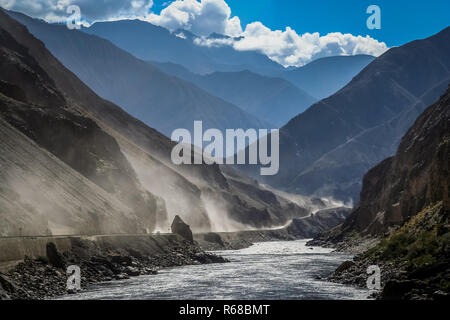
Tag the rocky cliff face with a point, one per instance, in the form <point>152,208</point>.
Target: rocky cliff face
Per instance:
<point>416,177</point>
<point>405,205</point>
<point>31,102</point>
<point>42,195</point>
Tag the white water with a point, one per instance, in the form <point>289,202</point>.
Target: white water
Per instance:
<point>269,270</point>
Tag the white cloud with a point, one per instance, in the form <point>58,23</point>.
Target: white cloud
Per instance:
<point>91,10</point>
<point>200,17</point>
<point>290,49</point>
<point>203,17</point>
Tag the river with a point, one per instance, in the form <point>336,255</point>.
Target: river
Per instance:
<point>265,271</point>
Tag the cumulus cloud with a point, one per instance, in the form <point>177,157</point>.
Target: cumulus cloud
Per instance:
<point>203,17</point>
<point>200,17</point>
<point>290,49</point>
<point>55,10</point>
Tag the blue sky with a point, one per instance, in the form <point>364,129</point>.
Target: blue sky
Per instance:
<point>402,20</point>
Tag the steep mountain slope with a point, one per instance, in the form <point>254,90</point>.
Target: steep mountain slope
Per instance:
<point>405,202</point>
<point>339,171</point>
<point>273,100</point>
<point>202,195</point>
<point>32,104</point>
<point>416,177</point>
<point>41,195</point>
<point>151,43</point>
<point>323,77</point>
<point>326,149</point>
<point>161,101</point>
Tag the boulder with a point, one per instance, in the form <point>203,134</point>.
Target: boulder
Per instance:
<point>182,229</point>
<point>54,257</point>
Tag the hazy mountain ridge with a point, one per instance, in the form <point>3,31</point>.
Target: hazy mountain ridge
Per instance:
<point>42,195</point>
<point>321,150</point>
<point>273,100</point>
<point>199,192</point>
<point>325,76</point>
<point>358,153</point>
<point>163,102</point>
<point>152,43</point>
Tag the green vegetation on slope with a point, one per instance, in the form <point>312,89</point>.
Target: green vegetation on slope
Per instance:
<point>421,245</point>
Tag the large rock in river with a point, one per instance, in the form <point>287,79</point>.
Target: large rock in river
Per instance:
<point>54,257</point>
<point>182,229</point>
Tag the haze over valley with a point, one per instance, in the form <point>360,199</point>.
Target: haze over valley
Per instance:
<point>356,156</point>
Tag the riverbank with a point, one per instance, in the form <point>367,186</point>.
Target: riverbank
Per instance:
<point>42,273</point>
<point>35,267</point>
<point>413,259</point>
<point>278,270</point>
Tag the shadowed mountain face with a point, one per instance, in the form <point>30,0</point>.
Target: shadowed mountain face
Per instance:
<point>273,100</point>
<point>416,177</point>
<point>163,102</point>
<point>232,75</point>
<point>323,77</point>
<point>327,149</point>
<point>118,163</point>
<point>41,195</point>
<point>31,103</point>
<point>403,217</point>
<point>151,43</point>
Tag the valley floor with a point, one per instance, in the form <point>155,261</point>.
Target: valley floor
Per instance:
<point>100,259</point>
<point>273,270</point>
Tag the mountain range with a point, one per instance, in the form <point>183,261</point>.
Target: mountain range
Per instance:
<point>152,43</point>
<point>161,101</point>
<point>113,173</point>
<point>325,76</point>
<point>402,221</point>
<point>324,150</point>
<point>273,100</point>
<point>145,41</point>
<point>327,149</point>
<point>247,79</point>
